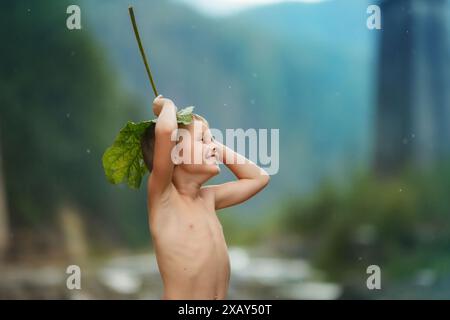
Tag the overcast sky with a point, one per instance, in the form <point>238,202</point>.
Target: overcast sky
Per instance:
<point>224,7</point>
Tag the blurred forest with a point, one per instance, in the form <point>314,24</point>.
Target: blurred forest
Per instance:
<point>60,105</point>
<point>363,118</point>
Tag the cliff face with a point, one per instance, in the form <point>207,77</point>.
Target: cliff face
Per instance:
<point>431,82</point>
<point>413,108</point>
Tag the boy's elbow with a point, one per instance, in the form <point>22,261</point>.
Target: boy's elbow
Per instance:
<point>264,178</point>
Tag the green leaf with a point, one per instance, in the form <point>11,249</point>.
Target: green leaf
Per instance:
<point>184,116</point>
<point>123,162</point>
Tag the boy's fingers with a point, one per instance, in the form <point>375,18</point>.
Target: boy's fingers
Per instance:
<point>158,98</point>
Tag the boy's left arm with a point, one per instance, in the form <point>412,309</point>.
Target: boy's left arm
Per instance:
<point>251,179</point>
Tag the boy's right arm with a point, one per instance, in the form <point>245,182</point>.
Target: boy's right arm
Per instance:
<point>161,176</point>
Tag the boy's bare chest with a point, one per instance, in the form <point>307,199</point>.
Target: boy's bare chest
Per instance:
<point>195,218</point>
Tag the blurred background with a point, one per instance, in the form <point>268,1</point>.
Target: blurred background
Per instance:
<point>363,115</point>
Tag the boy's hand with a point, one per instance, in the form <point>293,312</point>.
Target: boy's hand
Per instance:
<point>159,103</point>
<point>251,179</point>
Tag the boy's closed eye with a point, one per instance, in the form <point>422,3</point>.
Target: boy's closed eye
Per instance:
<point>203,138</point>
<point>207,137</point>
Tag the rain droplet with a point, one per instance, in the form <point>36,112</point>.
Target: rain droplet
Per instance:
<point>67,115</point>
<point>88,151</point>
<point>252,101</point>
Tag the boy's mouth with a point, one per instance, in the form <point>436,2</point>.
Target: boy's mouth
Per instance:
<point>211,156</point>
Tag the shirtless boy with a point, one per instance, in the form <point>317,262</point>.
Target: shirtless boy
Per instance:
<point>190,247</point>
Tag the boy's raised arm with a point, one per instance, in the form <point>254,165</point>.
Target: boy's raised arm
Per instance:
<point>251,179</point>
<point>162,171</point>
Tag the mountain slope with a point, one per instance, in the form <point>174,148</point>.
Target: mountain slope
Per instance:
<point>308,77</point>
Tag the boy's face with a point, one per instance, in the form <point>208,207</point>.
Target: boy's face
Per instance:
<point>197,149</point>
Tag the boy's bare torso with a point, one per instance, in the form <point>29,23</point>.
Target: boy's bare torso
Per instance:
<point>190,247</point>
<point>187,236</point>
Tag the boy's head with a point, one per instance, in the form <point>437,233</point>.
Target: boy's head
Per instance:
<point>195,150</point>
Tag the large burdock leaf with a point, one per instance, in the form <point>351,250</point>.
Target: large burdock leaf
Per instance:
<point>123,161</point>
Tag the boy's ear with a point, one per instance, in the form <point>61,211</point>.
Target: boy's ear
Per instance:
<point>179,160</point>
<point>177,156</point>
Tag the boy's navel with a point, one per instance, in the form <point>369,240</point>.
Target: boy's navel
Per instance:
<point>191,226</point>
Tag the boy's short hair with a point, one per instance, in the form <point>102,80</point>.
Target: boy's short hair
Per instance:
<point>148,142</point>
<point>148,145</point>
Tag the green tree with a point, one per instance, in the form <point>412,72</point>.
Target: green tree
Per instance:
<point>60,107</point>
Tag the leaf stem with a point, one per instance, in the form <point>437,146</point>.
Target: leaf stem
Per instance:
<point>141,48</point>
